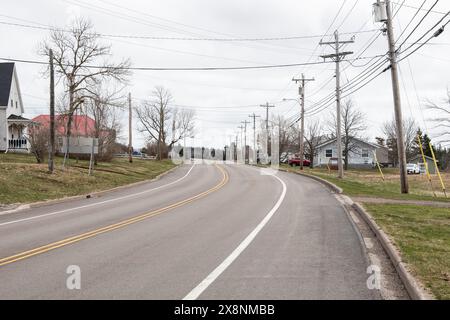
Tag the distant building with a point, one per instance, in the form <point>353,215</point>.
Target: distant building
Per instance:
<point>82,127</point>
<point>419,160</point>
<point>360,155</point>
<point>13,125</point>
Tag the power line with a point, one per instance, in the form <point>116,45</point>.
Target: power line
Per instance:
<point>188,68</point>
<point>329,99</point>
<point>280,38</point>
<point>348,14</point>
<point>412,19</point>
<point>363,49</point>
<point>318,45</point>
<point>429,39</point>
<point>420,22</point>
<point>413,7</point>
<point>436,34</point>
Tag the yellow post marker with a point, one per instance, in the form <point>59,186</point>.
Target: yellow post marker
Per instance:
<point>437,169</point>
<point>378,164</point>
<point>425,163</point>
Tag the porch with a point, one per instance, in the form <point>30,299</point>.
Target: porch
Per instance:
<point>16,138</point>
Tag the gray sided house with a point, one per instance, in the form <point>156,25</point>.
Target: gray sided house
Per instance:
<point>12,123</point>
<point>419,160</point>
<point>361,154</point>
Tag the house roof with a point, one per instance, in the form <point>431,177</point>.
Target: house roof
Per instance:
<point>82,126</point>
<point>365,142</point>
<point>419,156</point>
<point>16,117</point>
<point>6,76</point>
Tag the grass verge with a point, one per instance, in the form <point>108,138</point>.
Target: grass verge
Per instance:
<point>368,183</point>
<point>24,181</point>
<point>422,234</point>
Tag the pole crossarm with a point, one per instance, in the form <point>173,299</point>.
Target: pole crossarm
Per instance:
<point>334,42</point>
<point>336,55</point>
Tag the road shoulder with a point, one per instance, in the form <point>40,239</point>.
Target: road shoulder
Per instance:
<point>396,278</point>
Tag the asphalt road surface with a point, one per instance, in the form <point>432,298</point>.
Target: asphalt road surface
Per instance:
<point>217,231</point>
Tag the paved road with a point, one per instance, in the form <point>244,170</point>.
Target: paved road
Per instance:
<point>201,232</point>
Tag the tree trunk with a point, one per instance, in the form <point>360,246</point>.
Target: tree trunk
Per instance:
<point>69,125</point>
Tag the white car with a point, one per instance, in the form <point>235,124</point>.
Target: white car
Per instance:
<point>412,168</point>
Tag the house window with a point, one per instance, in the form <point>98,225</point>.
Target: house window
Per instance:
<point>16,104</point>
<point>329,153</point>
<point>365,153</point>
<point>12,103</point>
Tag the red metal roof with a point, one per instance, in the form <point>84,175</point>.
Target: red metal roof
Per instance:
<point>82,126</point>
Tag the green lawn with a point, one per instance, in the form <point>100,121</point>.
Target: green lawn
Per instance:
<point>423,236</point>
<point>24,181</point>
<point>368,183</point>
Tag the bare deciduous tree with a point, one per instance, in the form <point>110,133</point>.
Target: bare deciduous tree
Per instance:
<point>353,124</point>
<point>103,105</point>
<point>313,138</point>
<point>155,116</point>
<point>283,133</point>
<point>38,137</point>
<point>183,125</point>
<point>410,129</point>
<point>81,62</point>
<point>442,117</point>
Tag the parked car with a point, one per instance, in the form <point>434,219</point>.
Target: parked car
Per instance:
<point>412,168</point>
<point>295,161</point>
<point>285,156</point>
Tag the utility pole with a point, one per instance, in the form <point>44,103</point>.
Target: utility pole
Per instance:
<point>235,149</point>
<point>254,116</point>
<point>301,92</point>
<point>241,127</point>
<point>397,100</point>
<point>267,106</point>
<point>337,57</point>
<point>130,119</point>
<point>245,139</point>
<point>51,150</point>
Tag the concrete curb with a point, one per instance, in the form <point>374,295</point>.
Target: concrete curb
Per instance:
<point>330,185</point>
<point>415,290</point>
<point>84,196</point>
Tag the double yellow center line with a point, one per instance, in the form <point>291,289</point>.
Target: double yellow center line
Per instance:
<point>121,224</point>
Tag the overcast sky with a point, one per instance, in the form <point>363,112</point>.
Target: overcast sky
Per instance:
<point>222,99</point>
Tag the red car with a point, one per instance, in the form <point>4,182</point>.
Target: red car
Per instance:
<point>296,162</point>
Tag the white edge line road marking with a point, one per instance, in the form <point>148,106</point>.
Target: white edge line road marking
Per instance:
<point>198,290</point>
<point>98,203</point>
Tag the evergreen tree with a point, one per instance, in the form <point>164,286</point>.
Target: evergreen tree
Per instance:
<point>425,140</point>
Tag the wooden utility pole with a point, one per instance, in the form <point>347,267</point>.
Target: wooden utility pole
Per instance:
<point>241,128</point>
<point>301,92</point>
<point>235,148</point>
<point>397,100</point>
<point>130,130</point>
<point>51,149</point>
<point>267,106</point>
<point>245,139</point>
<point>254,116</point>
<point>338,56</point>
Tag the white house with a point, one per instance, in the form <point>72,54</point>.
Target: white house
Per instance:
<point>12,123</point>
<point>361,153</point>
